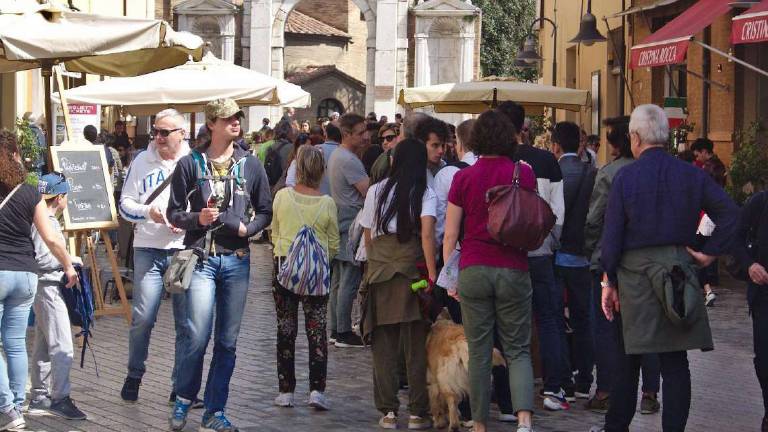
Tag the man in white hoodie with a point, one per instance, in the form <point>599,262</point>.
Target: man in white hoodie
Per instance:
<point>143,202</point>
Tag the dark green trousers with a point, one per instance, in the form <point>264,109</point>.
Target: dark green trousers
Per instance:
<point>387,342</point>
<point>502,297</point>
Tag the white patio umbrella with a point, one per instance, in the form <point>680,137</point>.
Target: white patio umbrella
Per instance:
<point>477,96</point>
<point>189,87</point>
<point>35,35</point>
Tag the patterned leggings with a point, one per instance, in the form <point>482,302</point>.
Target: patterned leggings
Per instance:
<point>287,308</point>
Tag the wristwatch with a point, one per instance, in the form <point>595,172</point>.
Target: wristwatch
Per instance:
<point>605,284</point>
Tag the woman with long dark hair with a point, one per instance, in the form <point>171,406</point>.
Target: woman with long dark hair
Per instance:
<point>22,205</point>
<point>399,228</point>
<point>494,284</point>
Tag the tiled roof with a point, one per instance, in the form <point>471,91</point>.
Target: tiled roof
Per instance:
<point>298,23</point>
<point>300,76</point>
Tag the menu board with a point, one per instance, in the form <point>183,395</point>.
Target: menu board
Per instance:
<point>90,201</point>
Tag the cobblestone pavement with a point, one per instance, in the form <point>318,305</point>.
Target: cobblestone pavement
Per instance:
<point>725,391</point>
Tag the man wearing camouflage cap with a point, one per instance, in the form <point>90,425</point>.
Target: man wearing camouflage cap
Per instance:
<point>220,196</point>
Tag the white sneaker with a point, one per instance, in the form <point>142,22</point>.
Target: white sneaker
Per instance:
<point>284,400</point>
<point>389,421</point>
<point>507,418</point>
<point>556,401</point>
<point>467,424</point>
<point>522,428</point>
<point>419,423</point>
<point>318,401</point>
<point>710,298</point>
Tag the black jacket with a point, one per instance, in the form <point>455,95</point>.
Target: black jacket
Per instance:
<point>251,193</point>
<point>578,181</point>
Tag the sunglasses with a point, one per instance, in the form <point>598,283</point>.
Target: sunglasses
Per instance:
<point>389,138</point>
<point>163,132</point>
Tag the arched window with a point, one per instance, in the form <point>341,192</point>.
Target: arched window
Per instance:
<point>327,106</point>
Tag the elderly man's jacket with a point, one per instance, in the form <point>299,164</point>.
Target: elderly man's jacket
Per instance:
<point>652,214</point>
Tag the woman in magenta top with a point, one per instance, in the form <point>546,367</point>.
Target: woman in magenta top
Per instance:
<point>494,285</point>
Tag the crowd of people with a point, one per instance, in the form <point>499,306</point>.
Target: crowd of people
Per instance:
<point>357,210</point>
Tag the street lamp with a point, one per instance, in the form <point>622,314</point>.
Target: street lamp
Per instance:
<point>588,33</point>
<point>529,56</point>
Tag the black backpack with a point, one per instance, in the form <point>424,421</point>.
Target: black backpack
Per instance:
<point>273,162</point>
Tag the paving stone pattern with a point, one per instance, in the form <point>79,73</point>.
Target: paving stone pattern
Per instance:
<point>726,394</point>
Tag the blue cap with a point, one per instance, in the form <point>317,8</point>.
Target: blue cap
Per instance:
<point>53,184</point>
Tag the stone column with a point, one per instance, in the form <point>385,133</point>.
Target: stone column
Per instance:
<point>467,57</point>
<point>386,57</point>
<point>260,57</point>
<point>370,79</point>
<point>421,66</point>
<point>227,26</point>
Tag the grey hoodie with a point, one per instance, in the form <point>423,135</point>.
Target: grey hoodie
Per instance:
<point>48,267</point>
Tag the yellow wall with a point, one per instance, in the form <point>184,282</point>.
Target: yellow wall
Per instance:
<point>577,62</point>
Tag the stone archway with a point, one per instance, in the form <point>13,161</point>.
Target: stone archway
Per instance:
<point>367,9</point>
<point>282,8</point>
<point>387,47</point>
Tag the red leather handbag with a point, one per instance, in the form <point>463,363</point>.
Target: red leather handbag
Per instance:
<point>518,217</point>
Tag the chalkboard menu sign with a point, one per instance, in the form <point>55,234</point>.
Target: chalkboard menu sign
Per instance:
<point>90,202</point>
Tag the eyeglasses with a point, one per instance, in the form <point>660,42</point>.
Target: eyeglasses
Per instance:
<point>163,132</point>
<point>389,138</point>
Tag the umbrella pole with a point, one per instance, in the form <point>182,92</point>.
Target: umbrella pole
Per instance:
<point>64,105</point>
<point>46,74</point>
<point>192,127</point>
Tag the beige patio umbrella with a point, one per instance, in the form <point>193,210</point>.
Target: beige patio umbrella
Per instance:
<point>34,35</point>
<point>477,96</point>
<point>189,87</point>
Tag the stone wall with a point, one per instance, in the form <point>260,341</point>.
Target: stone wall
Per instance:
<point>302,51</point>
<point>332,86</point>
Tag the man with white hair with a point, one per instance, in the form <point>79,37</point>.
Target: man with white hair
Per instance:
<point>143,202</point>
<point>650,272</point>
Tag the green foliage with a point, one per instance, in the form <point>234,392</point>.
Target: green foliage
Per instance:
<point>505,25</point>
<point>30,151</point>
<point>749,170</point>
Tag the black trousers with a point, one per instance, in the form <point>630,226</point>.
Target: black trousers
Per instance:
<point>676,390</point>
<point>759,307</point>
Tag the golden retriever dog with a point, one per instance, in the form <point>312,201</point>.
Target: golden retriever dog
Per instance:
<point>447,374</point>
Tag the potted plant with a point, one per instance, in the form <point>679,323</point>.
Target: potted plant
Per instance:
<point>749,169</point>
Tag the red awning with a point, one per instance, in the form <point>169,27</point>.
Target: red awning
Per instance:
<point>670,43</point>
<point>752,25</point>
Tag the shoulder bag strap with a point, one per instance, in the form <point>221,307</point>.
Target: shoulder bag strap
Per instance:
<point>155,193</point>
<point>7,197</point>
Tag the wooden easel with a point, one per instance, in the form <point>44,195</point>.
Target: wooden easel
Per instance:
<point>83,238</point>
<point>80,237</point>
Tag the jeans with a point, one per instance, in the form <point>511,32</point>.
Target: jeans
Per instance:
<point>676,391</point>
<point>759,305</point>
<point>17,292</point>
<point>577,282</point>
<point>497,297</point>
<point>607,352</point>
<point>548,310</point>
<point>345,281</point>
<point>219,284</point>
<point>53,351</point>
<point>150,265</point>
